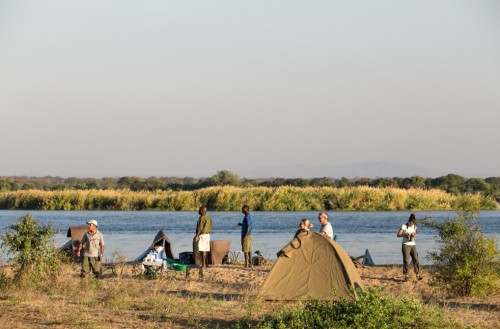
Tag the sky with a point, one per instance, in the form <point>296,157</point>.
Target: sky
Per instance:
<point>188,88</point>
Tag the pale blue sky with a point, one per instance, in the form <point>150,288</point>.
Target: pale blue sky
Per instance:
<point>186,88</point>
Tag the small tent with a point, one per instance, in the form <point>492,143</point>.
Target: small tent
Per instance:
<point>311,266</point>
<point>160,240</point>
<point>367,260</point>
<point>76,234</point>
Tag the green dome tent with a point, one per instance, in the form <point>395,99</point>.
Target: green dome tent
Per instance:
<point>311,266</point>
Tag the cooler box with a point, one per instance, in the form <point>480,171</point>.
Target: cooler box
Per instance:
<point>186,258</point>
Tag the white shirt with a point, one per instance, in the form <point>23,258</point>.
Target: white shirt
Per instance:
<point>327,229</point>
<point>409,229</point>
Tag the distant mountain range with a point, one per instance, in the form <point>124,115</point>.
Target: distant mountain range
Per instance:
<point>352,170</point>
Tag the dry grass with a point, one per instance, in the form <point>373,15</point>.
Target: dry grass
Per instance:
<point>225,298</point>
<point>228,198</point>
<point>471,311</point>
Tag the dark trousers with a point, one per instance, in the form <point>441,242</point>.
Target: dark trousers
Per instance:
<point>410,251</point>
<point>89,263</point>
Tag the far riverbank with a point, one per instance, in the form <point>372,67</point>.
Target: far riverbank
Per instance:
<point>228,198</point>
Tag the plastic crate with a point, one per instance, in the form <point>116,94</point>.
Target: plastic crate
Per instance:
<point>186,258</point>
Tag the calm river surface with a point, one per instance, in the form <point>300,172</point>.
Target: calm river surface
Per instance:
<point>131,232</point>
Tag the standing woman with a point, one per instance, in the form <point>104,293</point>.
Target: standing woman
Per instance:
<point>408,232</point>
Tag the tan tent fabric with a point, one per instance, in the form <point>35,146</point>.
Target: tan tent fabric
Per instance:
<point>311,266</point>
<point>218,249</point>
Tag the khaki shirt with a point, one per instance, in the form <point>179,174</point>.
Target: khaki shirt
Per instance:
<point>92,244</point>
<point>204,225</point>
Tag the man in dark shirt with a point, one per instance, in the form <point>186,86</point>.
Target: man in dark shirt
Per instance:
<point>246,235</point>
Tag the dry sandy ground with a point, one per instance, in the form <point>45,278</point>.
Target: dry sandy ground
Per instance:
<point>483,312</point>
<point>227,290</point>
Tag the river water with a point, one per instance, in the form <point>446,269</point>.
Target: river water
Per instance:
<point>131,232</point>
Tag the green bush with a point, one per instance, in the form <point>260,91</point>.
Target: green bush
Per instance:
<point>467,262</point>
<point>373,309</point>
<point>34,256</point>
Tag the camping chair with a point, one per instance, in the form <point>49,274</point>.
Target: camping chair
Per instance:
<point>152,266</point>
<point>232,257</point>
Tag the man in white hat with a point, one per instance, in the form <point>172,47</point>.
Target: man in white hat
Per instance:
<point>93,245</point>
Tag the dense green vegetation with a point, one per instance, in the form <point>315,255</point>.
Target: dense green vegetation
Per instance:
<point>229,198</point>
<point>35,258</point>
<point>450,183</point>
<point>467,261</point>
<point>273,194</point>
<point>373,309</point>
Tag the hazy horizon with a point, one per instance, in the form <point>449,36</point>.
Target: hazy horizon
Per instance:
<point>370,170</point>
<point>169,88</point>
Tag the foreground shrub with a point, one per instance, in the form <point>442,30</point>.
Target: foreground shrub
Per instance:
<point>34,256</point>
<point>467,262</point>
<point>373,309</point>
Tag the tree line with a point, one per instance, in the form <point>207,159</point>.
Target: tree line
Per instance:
<point>450,183</point>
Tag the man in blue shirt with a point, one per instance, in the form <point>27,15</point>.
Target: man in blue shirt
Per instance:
<point>246,235</point>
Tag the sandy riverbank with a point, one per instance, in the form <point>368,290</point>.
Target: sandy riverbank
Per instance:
<point>225,297</point>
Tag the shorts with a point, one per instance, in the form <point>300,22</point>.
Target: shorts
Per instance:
<point>246,244</point>
<point>204,242</point>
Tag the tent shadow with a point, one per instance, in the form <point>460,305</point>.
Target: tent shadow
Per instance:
<point>365,277</point>
<point>475,306</point>
<point>207,322</point>
<point>203,295</point>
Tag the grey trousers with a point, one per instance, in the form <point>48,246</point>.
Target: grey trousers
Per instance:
<point>410,251</point>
